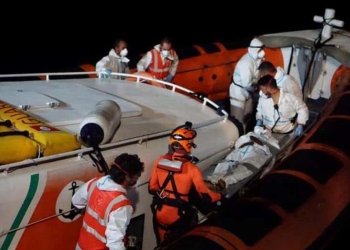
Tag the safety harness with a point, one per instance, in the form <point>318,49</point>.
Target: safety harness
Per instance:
<point>185,210</point>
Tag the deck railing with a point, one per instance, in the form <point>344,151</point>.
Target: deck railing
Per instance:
<point>140,139</point>
<point>139,78</point>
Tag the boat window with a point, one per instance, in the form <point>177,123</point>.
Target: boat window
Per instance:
<point>287,191</point>
<point>317,164</point>
<point>210,47</point>
<point>343,105</point>
<point>333,132</point>
<point>248,220</point>
<point>187,52</point>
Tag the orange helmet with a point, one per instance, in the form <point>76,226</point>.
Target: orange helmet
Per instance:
<point>182,138</point>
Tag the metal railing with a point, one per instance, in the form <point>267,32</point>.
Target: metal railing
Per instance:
<point>140,139</point>
<point>139,79</point>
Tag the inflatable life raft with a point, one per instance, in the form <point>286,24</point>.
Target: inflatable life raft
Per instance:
<point>23,137</point>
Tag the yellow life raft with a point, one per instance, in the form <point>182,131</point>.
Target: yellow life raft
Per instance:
<point>51,140</point>
<point>15,146</point>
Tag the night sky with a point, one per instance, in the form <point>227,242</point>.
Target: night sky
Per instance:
<point>57,36</point>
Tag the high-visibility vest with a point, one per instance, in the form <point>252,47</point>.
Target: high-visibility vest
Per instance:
<point>157,68</point>
<point>99,206</point>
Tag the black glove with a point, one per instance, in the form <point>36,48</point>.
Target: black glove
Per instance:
<point>200,95</point>
<point>252,89</point>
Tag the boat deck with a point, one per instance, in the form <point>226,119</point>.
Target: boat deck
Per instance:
<point>64,103</point>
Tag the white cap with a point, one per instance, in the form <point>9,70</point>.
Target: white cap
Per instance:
<point>256,43</point>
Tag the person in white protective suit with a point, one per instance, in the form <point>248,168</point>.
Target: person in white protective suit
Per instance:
<point>284,81</point>
<point>278,111</point>
<point>248,150</point>
<point>116,61</point>
<point>243,86</point>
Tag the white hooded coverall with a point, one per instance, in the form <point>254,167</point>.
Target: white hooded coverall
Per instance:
<point>288,106</point>
<point>118,219</point>
<point>246,74</point>
<point>288,83</point>
<point>114,63</point>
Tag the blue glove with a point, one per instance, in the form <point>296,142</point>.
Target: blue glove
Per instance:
<point>108,71</point>
<point>299,130</point>
<point>259,123</point>
<point>169,78</point>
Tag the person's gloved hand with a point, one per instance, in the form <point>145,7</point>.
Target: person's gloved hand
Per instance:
<point>299,130</point>
<point>251,89</point>
<point>259,123</point>
<point>108,71</point>
<point>169,78</point>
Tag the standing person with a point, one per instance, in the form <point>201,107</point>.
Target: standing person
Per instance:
<point>161,61</point>
<point>242,88</point>
<point>280,112</point>
<point>116,61</point>
<point>173,176</point>
<point>284,81</point>
<point>108,210</point>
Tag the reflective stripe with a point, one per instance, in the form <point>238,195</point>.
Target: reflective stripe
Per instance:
<point>91,188</point>
<point>116,200</point>
<point>95,216</point>
<point>104,221</point>
<point>156,68</point>
<point>77,247</point>
<point>94,233</point>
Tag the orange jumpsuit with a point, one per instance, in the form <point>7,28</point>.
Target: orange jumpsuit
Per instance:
<point>189,175</point>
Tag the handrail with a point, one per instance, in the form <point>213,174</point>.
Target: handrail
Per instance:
<point>138,80</point>
<point>140,139</point>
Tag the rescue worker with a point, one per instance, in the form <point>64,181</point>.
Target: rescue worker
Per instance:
<point>173,176</point>
<point>161,62</point>
<point>284,81</point>
<point>243,86</point>
<point>108,210</point>
<point>280,112</point>
<point>116,61</point>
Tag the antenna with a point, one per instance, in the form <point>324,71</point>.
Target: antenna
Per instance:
<point>328,21</point>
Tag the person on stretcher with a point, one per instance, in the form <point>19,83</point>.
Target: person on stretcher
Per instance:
<point>248,149</point>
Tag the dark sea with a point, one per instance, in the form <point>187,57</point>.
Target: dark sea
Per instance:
<point>58,36</point>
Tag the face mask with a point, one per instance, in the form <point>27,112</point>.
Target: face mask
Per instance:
<point>124,52</point>
<point>134,184</point>
<point>267,95</point>
<point>165,53</point>
<point>261,54</point>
